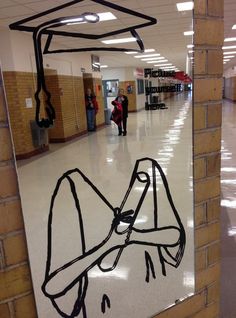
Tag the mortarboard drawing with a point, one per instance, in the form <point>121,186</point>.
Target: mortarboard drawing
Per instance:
<point>52,27</point>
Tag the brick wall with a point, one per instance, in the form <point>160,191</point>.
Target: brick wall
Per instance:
<point>16,296</point>
<point>95,84</point>
<point>67,98</point>
<point>19,86</point>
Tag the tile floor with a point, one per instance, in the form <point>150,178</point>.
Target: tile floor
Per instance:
<point>228,212</point>
<point>85,243</point>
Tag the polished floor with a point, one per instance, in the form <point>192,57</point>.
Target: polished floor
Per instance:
<point>120,240</point>
<point>228,212</point>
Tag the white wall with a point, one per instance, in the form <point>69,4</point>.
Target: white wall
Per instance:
<point>17,54</point>
<point>230,72</point>
<point>6,55</point>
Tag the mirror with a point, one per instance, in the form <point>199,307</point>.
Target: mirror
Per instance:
<point>108,217</point>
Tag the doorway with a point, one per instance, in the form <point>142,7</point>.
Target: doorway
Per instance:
<point>110,89</point>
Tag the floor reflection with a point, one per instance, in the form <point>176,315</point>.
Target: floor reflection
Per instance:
<point>228,212</point>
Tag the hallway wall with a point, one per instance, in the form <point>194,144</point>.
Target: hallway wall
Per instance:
<point>20,82</point>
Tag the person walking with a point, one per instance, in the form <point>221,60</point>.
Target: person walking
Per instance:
<point>123,100</point>
<point>91,109</point>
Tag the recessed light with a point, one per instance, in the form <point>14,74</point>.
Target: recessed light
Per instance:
<point>228,53</point>
<point>153,58</point>
<point>230,39</point>
<point>190,52</point>
<point>168,67</point>
<point>190,46</point>
<point>186,33</point>
<point>149,50</point>
<point>229,47</point>
<point>147,55</point>
<point>234,27</point>
<point>117,41</point>
<point>103,66</point>
<point>104,16</point>
<point>163,64</point>
<point>131,52</point>
<point>152,62</point>
<point>185,6</point>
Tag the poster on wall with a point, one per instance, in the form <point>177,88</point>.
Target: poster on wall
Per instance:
<point>109,219</point>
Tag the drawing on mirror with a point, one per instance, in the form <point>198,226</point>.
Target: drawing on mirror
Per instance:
<point>77,258</point>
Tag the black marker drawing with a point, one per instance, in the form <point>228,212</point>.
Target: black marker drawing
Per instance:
<point>149,266</point>
<point>66,277</point>
<point>50,29</point>
<point>105,303</point>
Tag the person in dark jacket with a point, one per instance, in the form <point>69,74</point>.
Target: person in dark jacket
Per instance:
<point>91,109</point>
<point>123,100</point>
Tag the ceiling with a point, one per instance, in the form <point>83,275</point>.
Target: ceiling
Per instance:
<point>166,37</point>
<point>229,21</point>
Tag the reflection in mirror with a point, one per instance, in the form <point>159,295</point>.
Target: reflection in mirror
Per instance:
<point>108,206</point>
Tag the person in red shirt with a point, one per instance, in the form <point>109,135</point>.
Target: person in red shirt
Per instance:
<point>91,109</point>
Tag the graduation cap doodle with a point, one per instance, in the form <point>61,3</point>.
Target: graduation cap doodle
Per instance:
<point>51,28</point>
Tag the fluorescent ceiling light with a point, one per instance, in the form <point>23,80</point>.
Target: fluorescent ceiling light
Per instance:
<point>163,64</point>
<point>186,33</point>
<point>104,16</point>
<point>226,60</point>
<point>230,39</point>
<point>229,47</point>
<point>191,58</point>
<point>131,52</point>
<point>228,53</point>
<point>153,58</point>
<point>168,67</point>
<point>103,66</point>
<point>190,46</point>
<point>151,62</point>
<point>229,56</point>
<point>116,41</point>
<point>234,27</point>
<point>190,52</point>
<point>147,55</point>
<point>149,50</point>
<point>185,6</point>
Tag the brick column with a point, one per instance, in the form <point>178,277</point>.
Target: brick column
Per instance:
<point>16,295</point>
<point>209,39</point>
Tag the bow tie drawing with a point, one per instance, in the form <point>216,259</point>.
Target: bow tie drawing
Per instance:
<point>125,230</point>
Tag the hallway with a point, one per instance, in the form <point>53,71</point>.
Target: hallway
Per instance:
<point>228,206</point>
<point>108,161</point>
